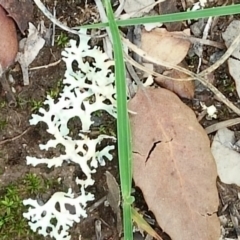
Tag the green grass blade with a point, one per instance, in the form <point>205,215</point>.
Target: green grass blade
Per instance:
<point>123,127</point>
<point>182,16</point>
<point>173,17</point>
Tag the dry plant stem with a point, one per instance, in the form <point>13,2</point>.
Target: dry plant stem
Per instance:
<point>107,41</point>
<point>58,23</point>
<point>198,77</point>
<point>103,15</point>
<point>151,72</point>
<point>7,90</point>
<point>54,27</point>
<point>96,204</point>
<point>15,138</point>
<point>46,66</point>
<point>226,55</point>
<point>220,125</point>
<point>200,40</point>
<point>52,19</point>
<point>120,8</point>
<point>200,46</point>
<point>132,73</point>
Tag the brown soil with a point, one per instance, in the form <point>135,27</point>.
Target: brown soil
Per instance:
<point>18,139</point>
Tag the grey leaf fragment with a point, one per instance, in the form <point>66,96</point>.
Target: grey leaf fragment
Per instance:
<point>113,198</point>
<point>29,49</point>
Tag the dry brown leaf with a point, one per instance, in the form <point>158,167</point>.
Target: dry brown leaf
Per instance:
<point>182,89</point>
<point>160,44</point>
<point>8,41</point>
<point>20,11</point>
<point>173,165</point>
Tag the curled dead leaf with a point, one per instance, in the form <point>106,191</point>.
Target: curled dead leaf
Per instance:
<point>173,165</point>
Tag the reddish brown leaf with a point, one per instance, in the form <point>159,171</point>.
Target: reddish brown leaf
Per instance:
<point>8,41</point>
<point>173,166</point>
<point>184,89</point>
<point>20,10</point>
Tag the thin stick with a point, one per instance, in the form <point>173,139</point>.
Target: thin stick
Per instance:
<point>119,10</point>
<point>53,19</point>
<point>151,72</point>
<point>200,47</point>
<point>16,137</point>
<point>54,26</point>
<point>47,66</point>
<point>199,40</point>
<point>58,23</point>
<point>220,125</point>
<point>225,56</point>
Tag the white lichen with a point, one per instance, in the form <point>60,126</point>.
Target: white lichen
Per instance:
<point>41,216</point>
<point>88,87</point>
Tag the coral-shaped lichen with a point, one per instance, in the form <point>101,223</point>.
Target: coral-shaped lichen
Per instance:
<point>88,87</point>
<point>40,217</point>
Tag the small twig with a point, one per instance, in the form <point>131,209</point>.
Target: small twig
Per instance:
<point>225,56</point>
<point>96,204</point>
<point>16,137</point>
<point>108,39</point>
<point>52,19</point>
<point>200,47</point>
<point>195,40</point>
<point>53,27</point>
<point>57,22</point>
<point>220,125</point>
<point>46,66</point>
<point>132,73</point>
<point>151,72</point>
<point>119,10</point>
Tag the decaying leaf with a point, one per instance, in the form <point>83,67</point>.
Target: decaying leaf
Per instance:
<point>233,63</point>
<point>113,198</point>
<point>29,48</point>
<point>173,166</point>
<point>8,41</point>
<point>162,45</point>
<point>184,89</point>
<point>20,11</point>
<point>226,155</point>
